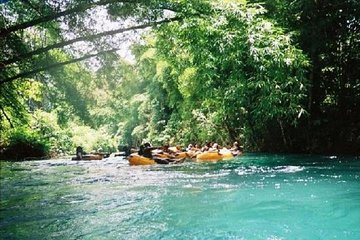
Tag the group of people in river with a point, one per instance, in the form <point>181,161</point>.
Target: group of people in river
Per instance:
<point>166,154</point>
<point>235,149</point>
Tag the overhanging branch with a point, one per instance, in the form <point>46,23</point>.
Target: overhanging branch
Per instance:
<point>6,116</point>
<point>55,65</point>
<point>3,64</point>
<point>6,31</point>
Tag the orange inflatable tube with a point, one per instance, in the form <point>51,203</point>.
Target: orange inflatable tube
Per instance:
<point>90,157</point>
<point>135,160</point>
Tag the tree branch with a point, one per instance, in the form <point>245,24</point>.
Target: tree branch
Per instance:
<point>6,31</point>
<point>3,64</point>
<point>6,116</point>
<point>55,65</point>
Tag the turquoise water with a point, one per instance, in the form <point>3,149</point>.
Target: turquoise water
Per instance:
<point>252,197</point>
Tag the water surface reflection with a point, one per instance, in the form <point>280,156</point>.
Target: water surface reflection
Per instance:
<point>251,197</point>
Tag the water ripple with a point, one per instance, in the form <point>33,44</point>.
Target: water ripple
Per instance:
<point>278,169</point>
<point>251,197</point>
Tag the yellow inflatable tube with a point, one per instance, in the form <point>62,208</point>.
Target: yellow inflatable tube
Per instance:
<point>178,155</point>
<point>209,156</point>
<point>226,155</point>
<point>214,156</point>
<point>135,159</point>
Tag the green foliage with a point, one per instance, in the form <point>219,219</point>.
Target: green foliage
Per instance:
<point>23,144</point>
<point>225,77</point>
<point>231,70</point>
<point>274,75</point>
<point>328,32</point>
<point>46,125</point>
<point>91,139</point>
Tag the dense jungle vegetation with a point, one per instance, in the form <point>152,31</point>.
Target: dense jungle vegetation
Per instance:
<point>276,75</point>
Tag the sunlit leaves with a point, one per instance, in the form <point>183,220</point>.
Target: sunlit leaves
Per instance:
<point>161,66</point>
<point>186,80</point>
<point>150,53</point>
<point>240,68</point>
<point>279,72</point>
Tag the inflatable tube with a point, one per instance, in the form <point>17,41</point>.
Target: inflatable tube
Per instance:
<point>89,157</point>
<point>179,155</point>
<point>214,156</point>
<point>135,160</point>
<point>226,155</point>
<point>209,156</point>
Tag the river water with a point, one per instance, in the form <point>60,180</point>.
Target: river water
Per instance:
<point>251,197</point>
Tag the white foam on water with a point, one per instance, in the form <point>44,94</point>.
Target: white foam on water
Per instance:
<point>279,169</point>
<point>291,169</point>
